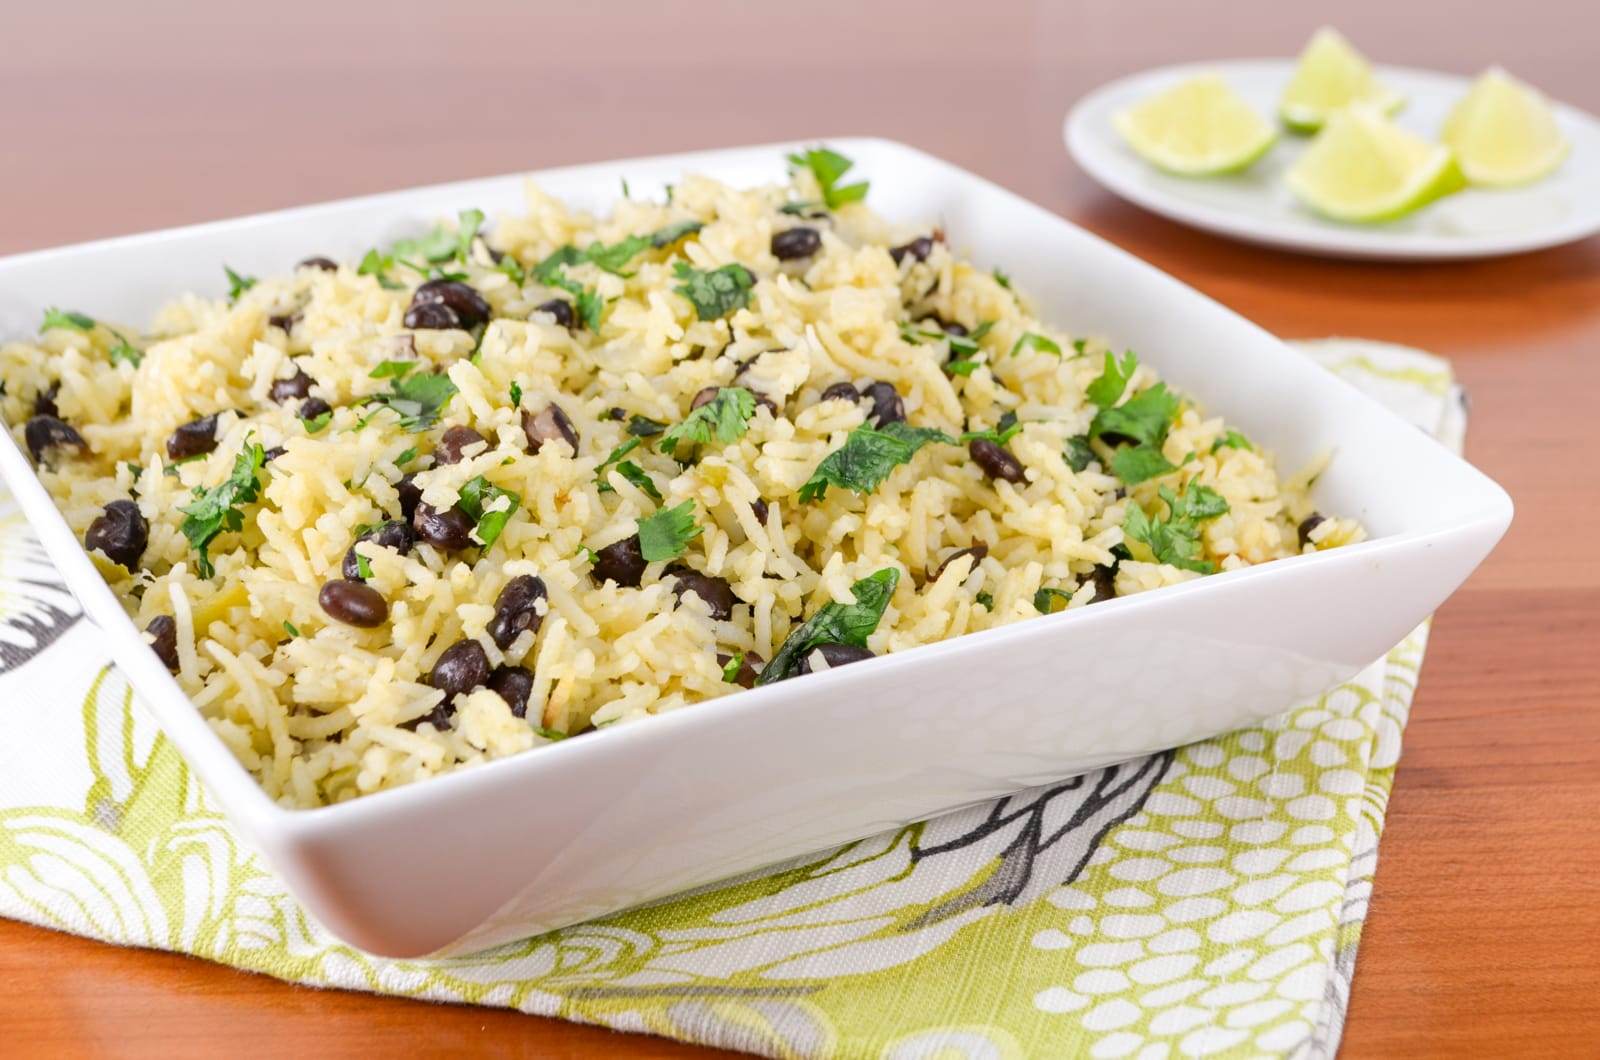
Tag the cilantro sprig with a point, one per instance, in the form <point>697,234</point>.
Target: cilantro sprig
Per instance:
<point>723,419</point>
<point>627,469</point>
<point>66,318</point>
<point>1175,540</point>
<point>1001,433</point>
<point>835,623</point>
<point>238,284</point>
<point>218,509</point>
<point>668,532</point>
<point>828,166</point>
<point>122,351</point>
<point>1034,341</point>
<point>867,456</point>
<point>717,292</point>
<point>1143,420</point>
<point>418,398</point>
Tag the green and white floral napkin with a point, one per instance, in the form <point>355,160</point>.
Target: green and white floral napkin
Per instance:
<point>1203,901</point>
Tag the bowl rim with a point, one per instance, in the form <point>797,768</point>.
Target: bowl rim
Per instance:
<point>247,802</point>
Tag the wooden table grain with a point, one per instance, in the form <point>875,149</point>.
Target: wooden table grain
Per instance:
<point>1484,934</point>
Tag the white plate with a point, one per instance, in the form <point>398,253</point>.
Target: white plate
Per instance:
<point>1256,207</point>
<point>591,825</point>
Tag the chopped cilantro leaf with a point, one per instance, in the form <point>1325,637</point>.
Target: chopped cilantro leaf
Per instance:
<point>418,399</point>
<point>1146,417</point>
<point>999,434</point>
<point>316,423</point>
<point>723,419</point>
<point>1033,341</point>
<point>867,456</point>
<point>406,457</point>
<point>668,532</point>
<point>716,293</point>
<point>798,209</point>
<point>1134,464</point>
<point>237,284</point>
<point>471,220</point>
<point>1232,440</point>
<point>1110,384</point>
<point>730,670</point>
<point>1001,278</point>
<point>125,352</point>
<point>828,166</point>
<point>1175,540</point>
<point>63,318</point>
<point>962,366</point>
<point>1045,600</point>
<point>363,566</point>
<point>218,509</point>
<point>479,501</point>
<point>986,599</point>
<point>289,628</point>
<point>616,454</point>
<point>551,271</point>
<point>377,266</point>
<point>640,478</point>
<point>612,258</point>
<point>516,392</point>
<point>835,623</point>
<point>549,734</point>
<point>591,308</point>
<point>392,370</point>
<point>509,265</point>
<point>1078,455</point>
<point>670,234</point>
<point>644,426</point>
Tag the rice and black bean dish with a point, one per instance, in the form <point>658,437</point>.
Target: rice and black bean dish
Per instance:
<point>508,483</point>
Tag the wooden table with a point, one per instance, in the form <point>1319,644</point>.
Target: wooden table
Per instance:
<point>1484,935</point>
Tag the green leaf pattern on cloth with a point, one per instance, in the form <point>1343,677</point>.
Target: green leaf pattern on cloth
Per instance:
<point>1204,901</point>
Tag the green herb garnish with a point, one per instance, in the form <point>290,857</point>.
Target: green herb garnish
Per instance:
<point>417,398</point>
<point>1113,380</point>
<point>668,532</point>
<point>835,623</point>
<point>1078,455</point>
<point>316,423</point>
<point>377,265</point>
<point>237,284</point>
<point>644,426</point>
<point>64,318</point>
<point>516,393</point>
<point>616,455</point>
<point>1175,540</point>
<point>289,628</point>
<point>640,478</point>
<point>867,456</point>
<point>1001,277</point>
<point>828,166</point>
<point>1232,440</point>
<point>1134,464</point>
<point>123,351</point>
<point>1045,600</point>
<point>1146,417</point>
<point>986,599</point>
<point>1034,341</point>
<point>670,234</point>
<point>730,671</point>
<point>716,293</point>
<point>478,501</point>
<point>723,419</point>
<point>999,434</point>
<point>218,509</point>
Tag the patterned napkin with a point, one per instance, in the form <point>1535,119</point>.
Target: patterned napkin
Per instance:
<point>1203,901</point>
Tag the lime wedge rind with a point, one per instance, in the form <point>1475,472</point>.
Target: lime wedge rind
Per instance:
<point>1505,133</point>
<point>1330,76</point>
<point>1362,169</point>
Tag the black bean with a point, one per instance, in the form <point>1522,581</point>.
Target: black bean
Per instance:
<point>1105,583</point>
<point>759,508</point>
<point>514,684</point>
<point>996,460</point>
<point>841,392</point>
<point>431,316</point>
<point>463,667</point>
<point>449,529</point>
<point>547,426</point>
<point>1311,522</point>
<point>559,308</point>
<point>794,243</point>
<point>516,610</point>
<point>715,592</point>
<point>163,632</point>
<point>44,402</point>
<point>887,406</point>
<point>616,415</point>
<point>834,655</point>
<point>319,262</point>
<point>468,305</point>
<point>120,532</point>
<point>977,551</point>
<point>195,438</point>
<point>296,387</point>
<point>354,604</point>
<point>454,440</point>
<point>410,495</point>
<point>272,454</point>
<point>952,328</point>
<point>704,396</point>
<point>439,717</point>
<point>286,321</point>
<point>622,562</point>
<point>312,407</point>
<point>750,667</point>
<point>389,534</point>
<point>44,433</point>
<point>919,248</point>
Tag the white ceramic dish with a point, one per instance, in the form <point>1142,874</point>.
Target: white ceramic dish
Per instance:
<point>624,816</point>
<point>1256,207</point>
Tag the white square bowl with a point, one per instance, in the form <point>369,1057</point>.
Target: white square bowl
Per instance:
<point>617,818</point>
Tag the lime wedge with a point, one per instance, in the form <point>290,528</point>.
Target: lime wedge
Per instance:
<point>1197,128</point>
<point>1362,167</point>
<point>1330,76</point>
<point>1504,132</point>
